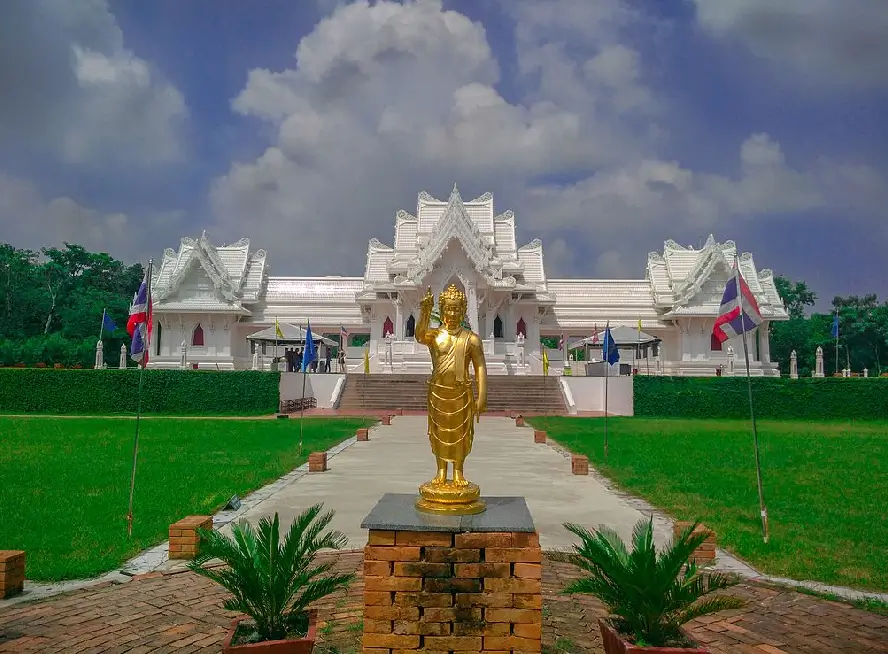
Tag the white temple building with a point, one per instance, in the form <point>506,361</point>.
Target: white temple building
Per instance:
<point>210,298</point>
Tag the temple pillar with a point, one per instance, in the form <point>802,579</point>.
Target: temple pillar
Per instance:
<point>472,297</point>
<point>533,332</point>
<point>764,340</point>
<point>399,319</point>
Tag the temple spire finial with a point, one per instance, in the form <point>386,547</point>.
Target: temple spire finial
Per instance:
<point>454,194</point>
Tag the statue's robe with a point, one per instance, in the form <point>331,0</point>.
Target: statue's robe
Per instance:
<point>451,401</point>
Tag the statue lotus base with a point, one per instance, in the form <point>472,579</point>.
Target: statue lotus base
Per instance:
<point>450,499</point>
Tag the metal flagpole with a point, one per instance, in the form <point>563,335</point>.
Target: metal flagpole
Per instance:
<point>302,402</point>
<point>102,326</point>
<point>604,352</point>
<point>837,338</point>
<point>758,466</point>
<point>143,362</point>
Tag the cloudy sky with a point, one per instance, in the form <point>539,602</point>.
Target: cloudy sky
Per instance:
<point>608,126</point>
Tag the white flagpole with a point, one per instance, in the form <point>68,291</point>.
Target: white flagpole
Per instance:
<point>758,466</point>
<point>102,326</point>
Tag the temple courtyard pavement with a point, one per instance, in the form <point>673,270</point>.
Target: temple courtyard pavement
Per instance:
<point>173,610</point>
<point>504,461</point>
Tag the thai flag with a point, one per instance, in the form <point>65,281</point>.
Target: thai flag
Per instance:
<point>138,326</point>
<point>739,312</point>
<point>561,342</point>
<point>343,336</point>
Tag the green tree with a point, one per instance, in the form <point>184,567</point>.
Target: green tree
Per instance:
<point>796,295</point>
<point>863,332</point>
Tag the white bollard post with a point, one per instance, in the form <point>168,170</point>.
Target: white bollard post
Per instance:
<point>818,362</point>
<point>123,356</point>
<point>100,358</point>
<point>793,365</point>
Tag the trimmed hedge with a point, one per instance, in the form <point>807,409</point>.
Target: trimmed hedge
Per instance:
<point>827,398</point>
<point>112,391</point>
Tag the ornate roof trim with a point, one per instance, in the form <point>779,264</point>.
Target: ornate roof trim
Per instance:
<point>455,224</point>
<point>201,252</point>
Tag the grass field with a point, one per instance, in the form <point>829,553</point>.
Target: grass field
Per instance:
<point>65,481</point>
<point>825,485</point>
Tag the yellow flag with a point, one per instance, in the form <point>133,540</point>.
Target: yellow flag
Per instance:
<point>639,325</point>
<point>277,329</point>
<point>366,360</point>
<point>545,361</point>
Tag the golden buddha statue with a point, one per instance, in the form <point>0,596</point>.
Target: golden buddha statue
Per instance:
<point>453,409</point>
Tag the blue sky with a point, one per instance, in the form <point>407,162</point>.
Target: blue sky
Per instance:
<point>607,127</point>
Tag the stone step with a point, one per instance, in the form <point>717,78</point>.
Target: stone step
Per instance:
<point>382,391</point>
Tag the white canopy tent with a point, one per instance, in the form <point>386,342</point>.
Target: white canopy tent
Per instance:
<point>291,335</point>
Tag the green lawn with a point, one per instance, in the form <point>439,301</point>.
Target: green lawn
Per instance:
<point>64,482</point>
<point>825,485</point>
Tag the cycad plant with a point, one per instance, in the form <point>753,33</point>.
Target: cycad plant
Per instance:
<point>274,582</point>
<point>649,596</point>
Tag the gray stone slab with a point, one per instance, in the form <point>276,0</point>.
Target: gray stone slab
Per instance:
<point>397,512</point>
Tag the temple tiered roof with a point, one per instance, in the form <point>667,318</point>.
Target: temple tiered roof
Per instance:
<point>689,282</point>
<point>488,241</point>
<point>237,277</point>
<point>679,282</point>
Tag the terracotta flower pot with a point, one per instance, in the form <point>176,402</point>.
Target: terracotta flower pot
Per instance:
<point>614,644</point>
<point>297,646</point>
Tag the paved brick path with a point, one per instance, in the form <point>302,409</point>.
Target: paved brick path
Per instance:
<point>181,612</point>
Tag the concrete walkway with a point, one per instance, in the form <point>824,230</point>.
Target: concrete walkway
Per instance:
<point>504,461</point>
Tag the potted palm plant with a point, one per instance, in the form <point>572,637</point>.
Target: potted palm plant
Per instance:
<point>273,582</point>
<point>649,596</point>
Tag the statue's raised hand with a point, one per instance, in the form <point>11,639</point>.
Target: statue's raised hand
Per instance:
<point>428,301</point>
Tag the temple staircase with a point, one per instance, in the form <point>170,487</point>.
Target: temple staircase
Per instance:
<point>525,394</point>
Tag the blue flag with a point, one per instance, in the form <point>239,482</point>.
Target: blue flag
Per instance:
<point>835,326</point>
<point>309,353</point>
<point>108,324</point>
<point>609,347</point>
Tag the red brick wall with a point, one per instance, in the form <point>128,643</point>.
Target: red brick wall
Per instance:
<point>444,592</point>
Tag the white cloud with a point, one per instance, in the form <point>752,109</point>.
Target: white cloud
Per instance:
<point>389,99</point>
<point>33,221</point>
<point>838,42</point>
<point>72,88</point>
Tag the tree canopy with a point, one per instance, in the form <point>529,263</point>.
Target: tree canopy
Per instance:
<point>52,303</point>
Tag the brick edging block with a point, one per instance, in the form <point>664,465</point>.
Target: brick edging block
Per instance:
<point>519,421</point>
<point>539,436</point>
<point>443,592</point>
<point>705,553</point>
<point>386,420</point>
<point>579,464</point>
<point>184,541</point>
<point>12,572</point>
<point>317,462</point>
<point>363,434</point>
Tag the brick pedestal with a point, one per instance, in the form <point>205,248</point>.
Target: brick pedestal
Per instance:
<point>706,552</point>
<point>519,421</point>
<point>184,542</point>
<point>452,591</point>
<point>386,420</point>
<point>317,462</point>
<point>579,464</point>
<point>539,436</point>
<point>363,434</point>
<point>12,572</point>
